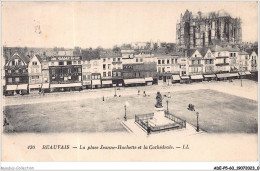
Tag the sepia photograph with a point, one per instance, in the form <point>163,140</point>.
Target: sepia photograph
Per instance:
<point>129,81</point>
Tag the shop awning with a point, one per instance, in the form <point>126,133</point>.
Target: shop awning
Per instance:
<point>248,73</point>
<point>134,81</point>
<point>106,82</point>
<point>86,82</point>
<point>11,87</point>
<point>66,85</point>
<point>225,75</point>
<point>22,87</point>
<point>176,77</point>
<point>234,75</point>
<point>45,85</point>
<point>185,77</point>
<point>35,86</point>
<point>148,79</point>
<point>242,73</point>
<point>96,82</point>
<point>210,76</point>
<point>196,77</point>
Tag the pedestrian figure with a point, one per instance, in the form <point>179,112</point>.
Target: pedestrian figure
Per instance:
<point>40,90</point>
<point>103,98</point>
<point>138,92</point>
<point>5,122</point>
<point>144,94</point>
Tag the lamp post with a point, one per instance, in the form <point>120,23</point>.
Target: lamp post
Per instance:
<point>241,80</point>
<point>198,129</point>
<point>167,107</point>
<point>115,92</point>
<point>126,104</point>
<point>125,114</point>
<point>192,108</point>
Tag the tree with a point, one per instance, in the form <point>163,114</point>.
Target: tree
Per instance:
<point>116,49</point>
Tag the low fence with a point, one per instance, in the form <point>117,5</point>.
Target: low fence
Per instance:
<point>143,121</point>
<point>176,119</point>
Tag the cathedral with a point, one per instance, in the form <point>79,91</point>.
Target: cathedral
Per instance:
<point>202,30</point>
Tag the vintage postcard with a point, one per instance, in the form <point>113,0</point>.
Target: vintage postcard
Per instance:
<point>129,81</point>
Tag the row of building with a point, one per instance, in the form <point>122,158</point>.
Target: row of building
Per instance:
<point>66,71</point>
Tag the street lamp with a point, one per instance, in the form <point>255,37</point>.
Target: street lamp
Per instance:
<point>115,92</point>
<point>241,80</point>
<point>198,129</point>
<point>191,107</point>
<point>167,107</point>
<point>126,104</point>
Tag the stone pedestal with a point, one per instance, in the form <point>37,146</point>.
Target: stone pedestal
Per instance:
<point>159,118</point>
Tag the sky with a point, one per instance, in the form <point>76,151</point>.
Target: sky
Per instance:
<point>92,24</point>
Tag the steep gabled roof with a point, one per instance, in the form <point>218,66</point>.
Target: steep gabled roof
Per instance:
<point>189,52</point>
<point>203,51</point>
<point>250,51</point>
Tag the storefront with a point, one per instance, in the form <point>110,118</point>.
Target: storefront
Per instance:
<point>223,76</point>
<point>22,89</point>
<point>66,87</point>
<point>176,79</point>
<point>134,82</point>
<point>33,88</point>
<point>148,80</point>
<point>210,77</point>
<point>46,87</point>
<point>10,90</point>
<point>185,79</point>
<point>96,83</point>
<point>107,83</point>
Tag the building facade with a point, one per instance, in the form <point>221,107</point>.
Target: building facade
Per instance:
<point>65,73</point>
<point>35,74</point>
<point>16,74</point>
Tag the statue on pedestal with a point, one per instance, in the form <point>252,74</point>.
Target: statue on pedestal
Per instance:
<point>158,100</point>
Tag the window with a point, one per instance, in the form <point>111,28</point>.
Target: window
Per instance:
<point>13,63</point>
<point>163,69</point>
<point>209,55</point>
<point>9,71</point>
<point>69,70</point>
<point>119,74</point>
<point>10,80</point>
<point>118,59</point>
<point>69,62</point>
<point>195,55</point>
<point>168,61</point>
<point>17,79</point>
<point>176,61</point>
<point>159,61</point>
<point>34,63</point>
<point>104,59</point>
<point>53,71</point>
<point>109,66</point>
<point>234,54</point>
<point>192,62</point>
<point>109,73</point>
<point>37,77</point>
<point>141,60</point>
<point>104,74</point>
<point>74,62</point>
<point>104,66</point>
<point>159,69</point>
<point>114,59</point>
<point>98,76</point>
<point>79,70</point>
<point>136,59</point>
<point>61,63</point>
<point>162,61</point>
<point>114,74</point>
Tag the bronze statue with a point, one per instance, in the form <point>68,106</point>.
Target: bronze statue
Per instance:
<point>158,100</point>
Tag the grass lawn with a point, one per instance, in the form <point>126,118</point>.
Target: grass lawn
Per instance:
<point>219,112</point>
